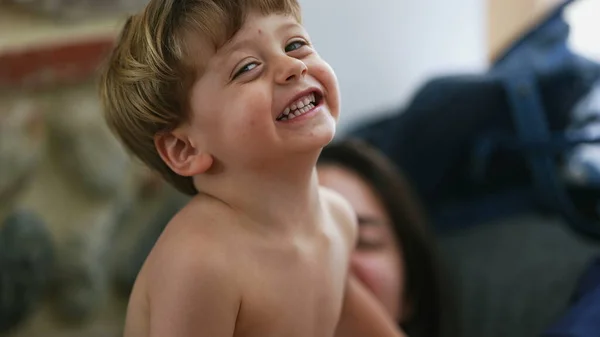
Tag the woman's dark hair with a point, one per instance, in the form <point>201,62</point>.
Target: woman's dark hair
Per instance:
<point>424,288</point>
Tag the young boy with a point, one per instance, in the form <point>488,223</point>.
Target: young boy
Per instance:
<point>230,102</point>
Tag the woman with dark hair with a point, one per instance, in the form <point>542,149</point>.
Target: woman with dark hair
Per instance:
<point>395,257</point>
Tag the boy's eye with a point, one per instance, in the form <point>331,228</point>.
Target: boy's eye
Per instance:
<point>295,45</point>
<point>245,69</point>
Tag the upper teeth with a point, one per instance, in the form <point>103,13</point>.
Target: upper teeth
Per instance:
<point>300,106</point>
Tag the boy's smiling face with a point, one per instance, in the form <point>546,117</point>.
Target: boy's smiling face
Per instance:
<point>264,95</point>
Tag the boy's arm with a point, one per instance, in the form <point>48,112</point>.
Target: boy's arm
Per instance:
<point>193,297</point>
<point>363,316</point>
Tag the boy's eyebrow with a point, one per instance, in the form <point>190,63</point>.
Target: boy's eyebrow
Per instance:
<point>289,25</point>
<point>228,48</point>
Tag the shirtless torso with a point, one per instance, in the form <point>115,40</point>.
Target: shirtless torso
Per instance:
<point>221,276</point>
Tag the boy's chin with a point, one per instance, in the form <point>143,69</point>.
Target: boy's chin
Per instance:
<point>308,140</point>
<point>318,139</point>
<point>328,139</point>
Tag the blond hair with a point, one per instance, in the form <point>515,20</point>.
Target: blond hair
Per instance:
<point>145,85</point>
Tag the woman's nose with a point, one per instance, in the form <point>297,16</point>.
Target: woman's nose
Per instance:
<point>290,70</point>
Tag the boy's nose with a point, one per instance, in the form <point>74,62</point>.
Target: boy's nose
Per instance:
<point>290,70</point>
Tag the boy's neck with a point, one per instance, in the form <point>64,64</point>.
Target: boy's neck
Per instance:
<point>283,197</point>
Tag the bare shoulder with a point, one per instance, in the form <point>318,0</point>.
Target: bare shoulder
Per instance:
<point>342,212</point>
<point>191,245</point>
<point>189,274</point>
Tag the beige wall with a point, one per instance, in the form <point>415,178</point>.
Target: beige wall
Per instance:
<point>507,19</point>
<point>21,29</point>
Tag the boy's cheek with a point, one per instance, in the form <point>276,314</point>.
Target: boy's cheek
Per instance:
<point>325,76</point>
<point>324,73</point>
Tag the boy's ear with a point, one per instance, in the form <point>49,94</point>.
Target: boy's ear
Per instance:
<point>181,154</point>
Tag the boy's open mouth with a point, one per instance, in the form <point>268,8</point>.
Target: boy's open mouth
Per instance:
<point>300,106</point>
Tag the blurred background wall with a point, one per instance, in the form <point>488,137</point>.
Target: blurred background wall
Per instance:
<point>382,49</point>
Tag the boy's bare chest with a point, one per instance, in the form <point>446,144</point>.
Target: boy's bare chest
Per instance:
<point>296,291</point>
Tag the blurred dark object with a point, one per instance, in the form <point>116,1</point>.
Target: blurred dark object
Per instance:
<point>80,286</point>
<point>483,147</point>
<point>26,263</point>
<point>514,276</point>
<point>79,9</point>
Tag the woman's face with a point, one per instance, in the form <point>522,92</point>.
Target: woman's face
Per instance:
<point>377,260</point>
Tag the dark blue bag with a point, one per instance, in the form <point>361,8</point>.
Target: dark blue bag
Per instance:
<point>583,318</point>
